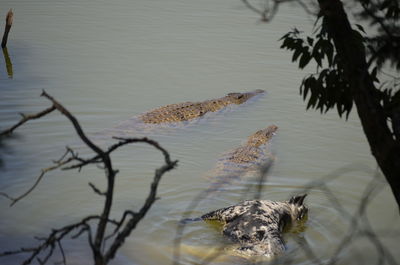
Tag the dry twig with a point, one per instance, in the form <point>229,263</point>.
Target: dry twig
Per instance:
<point>9,21</point>
<point>43,252</point>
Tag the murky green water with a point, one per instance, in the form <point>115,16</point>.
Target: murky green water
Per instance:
<point>108,61</point>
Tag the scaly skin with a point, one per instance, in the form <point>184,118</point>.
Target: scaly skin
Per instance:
<point>190,110</point>
<point>257,225</point>
<point>248,157</point>
<point>252,150</point>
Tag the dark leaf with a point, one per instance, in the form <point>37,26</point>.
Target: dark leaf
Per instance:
<point>305,59</point>
<point>339,109</point>
<point>360,28</point>
<point>285,36</point>
<point>287,43</point>
<point>329,52</point>
<point>296,54</point>
<point>374,75</point>
<point>318,59</point>
<point>310,41</point>
<point>313,100</point>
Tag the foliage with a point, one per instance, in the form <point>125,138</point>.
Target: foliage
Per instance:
<point>384,15</point>
<point>328,87</point>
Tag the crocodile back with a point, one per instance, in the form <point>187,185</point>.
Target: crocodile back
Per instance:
<point>241,161</point>
<point>190,110</point>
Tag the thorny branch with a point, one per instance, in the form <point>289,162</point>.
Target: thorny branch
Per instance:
<point>44,251</point>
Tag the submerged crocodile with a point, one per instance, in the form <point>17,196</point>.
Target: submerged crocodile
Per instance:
<point>257,225</point>
<point>190,110</point>
<point>170,116</point>
<point>249,157</point>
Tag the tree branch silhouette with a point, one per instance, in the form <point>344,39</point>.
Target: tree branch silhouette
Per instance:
<point>70,160</point>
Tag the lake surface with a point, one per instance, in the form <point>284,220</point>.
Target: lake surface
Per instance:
<point>108,61</point>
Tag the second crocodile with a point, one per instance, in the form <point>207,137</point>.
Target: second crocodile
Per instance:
<point>247,158</point>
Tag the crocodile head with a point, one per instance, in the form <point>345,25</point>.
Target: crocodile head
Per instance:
<point>294,214</point>
<point>297,208</point>
<point>239,98</point>
<point>262,136</point>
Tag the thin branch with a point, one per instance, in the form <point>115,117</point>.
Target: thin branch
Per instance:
<point>267,13</point>
<point>263,176</point>
<point>124,141</point>
<point>302,242</point>
<point>75,123</point>
<point>55,236</point>
<point>355,221</point>
<point>26,118</point>
<point>59,163</point>
<point>378,20</point>
<point>64,259</point>
<point>96,190</point>
<point>251,7</point>
<point>151,198</point>
<point>120,223</point>
<point>49,243</point>
<point>9,21</point>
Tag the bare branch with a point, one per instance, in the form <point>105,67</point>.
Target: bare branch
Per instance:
<point>75,122</point>
<point>120,223</point>
<point>9,21</point>
<point>124,141</point>
<point>151,198</point>
<point>59,163</point>
<point>96,190</point>
<point>64,259</point>
<point>97,241</point>
<point>267,13</point>
<point>55,236</point>
<point>26,118</point>
<point>251,7</point>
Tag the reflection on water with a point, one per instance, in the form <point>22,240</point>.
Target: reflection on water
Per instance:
<point>8,63</point>
<point>110,61</point>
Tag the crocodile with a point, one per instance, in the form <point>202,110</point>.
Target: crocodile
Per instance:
<point>171,116</point>
<point>257,225</point>
<point>190,110</point>
<point>249,157</point>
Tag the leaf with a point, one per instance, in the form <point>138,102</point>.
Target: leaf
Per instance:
<point>360,28</point>
<point>390,12</point>
<point>385,4</point>
<point>358,35</point>
<point>296,54</point>
<point>309,84</point>
<point>349,110</point>
<point>305,59</point>
<point>318,59</point>
<point>313,100</point>
<point>285,36</point>
<point>310,41</point>
<point>286,42</point>
<point>339,109</point>
<point>329,52</point>
<point>374,75</point>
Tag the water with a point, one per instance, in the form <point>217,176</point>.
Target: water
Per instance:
<point>109,61</point>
